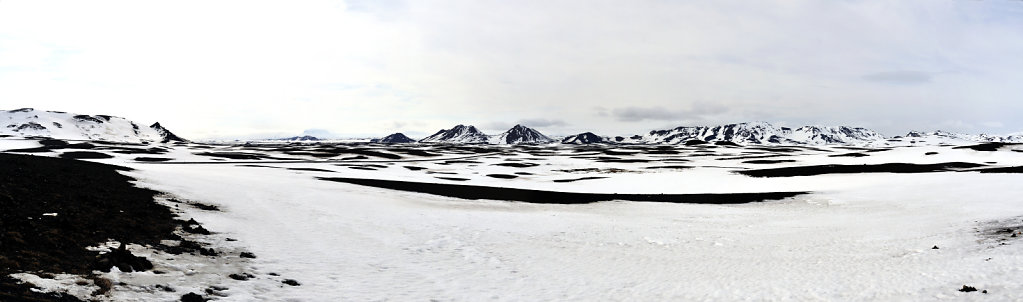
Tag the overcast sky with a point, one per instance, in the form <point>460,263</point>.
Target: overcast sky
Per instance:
<point>218,69</point>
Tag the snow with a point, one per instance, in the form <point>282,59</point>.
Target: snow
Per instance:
<point>346,242</point>
<point>856,237</point>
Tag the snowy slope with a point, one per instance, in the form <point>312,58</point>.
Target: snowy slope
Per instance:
<point>521,135</point>
<point>953,137</point>
<point>62,125</point>
<point>458,134</point>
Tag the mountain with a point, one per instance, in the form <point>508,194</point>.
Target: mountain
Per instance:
<point>759,133</point>
<point>585,138</point>
<point>397,138</point>
<point>63,125</point>
<point>521,135</point>
<point>458,134</point>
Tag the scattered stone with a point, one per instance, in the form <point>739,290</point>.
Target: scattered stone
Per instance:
<point>104,285</point>
<point>967,288</point>
<point>247,255</point>
<point>984,291</point>
<point>123,260</point>
<point>291,282</point>
<point>935,247</point>
<point>241,277</point>
<point>192,226</point>
<point>192,297</point>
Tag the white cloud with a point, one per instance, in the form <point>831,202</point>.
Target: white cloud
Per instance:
<point>239,67</point>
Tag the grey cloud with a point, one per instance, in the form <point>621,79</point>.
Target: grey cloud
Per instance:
<point>541,122</point>
<point>699,111</point>
<point>635,114</point>
<point>901,77</point>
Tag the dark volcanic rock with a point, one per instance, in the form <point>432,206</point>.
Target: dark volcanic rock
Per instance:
<point>397,138</point>
<point>847,169</point>
<point>90,204</point>
<point>192,297</point>
<point>552,197</point>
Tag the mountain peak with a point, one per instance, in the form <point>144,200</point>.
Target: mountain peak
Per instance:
<point>457,134</point>
<point>520,134</point>
<point>166,135</point>
<point>396,138</point>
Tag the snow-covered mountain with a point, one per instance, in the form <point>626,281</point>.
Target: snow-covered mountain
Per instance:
<point>947,137</point>
<point>397,138</point>
<point>63,125</point>
<point>585,138</point>
<point>521,135</point>
<point>458,134</point>
<point>470,135</point>
<point>760,133</point>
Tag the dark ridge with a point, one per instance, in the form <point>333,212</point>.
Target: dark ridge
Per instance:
<point>240,155</point>
<point>751,157</point>
<point>362,168</point>
<point>517,165</point>
<point>52,142</point>
<point>93,204</point>
<point>931,153</point>
<point>152,159</point>
<point>310,169</point>
<point>626,161</point>
<point>414,168</point>
<point>21,110</point>
<point>694,142</point>
<point>502,176</point>
<point>727,144</point>
<point>448,162</point>
<point>452,178</point>
<point>667,152</point>
<point>768,161</point>
<point>523,173</point>
<point>849,169</point>
<point>854,154</point>
<point>85,155</point>
<point>1016,169</point>
<point>551,197</point>
<point>668,167</point>
<point>414,152</point>
<point>578,179</point>
<point>80,146</point>
<point>364,165</point>
<point>987,146</point>
<point>123,150</point>
<point>618,153</point>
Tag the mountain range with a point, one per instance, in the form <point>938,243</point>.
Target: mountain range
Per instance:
<point>62,125</point>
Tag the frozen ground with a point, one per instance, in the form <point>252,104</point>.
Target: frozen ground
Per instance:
<point>856,237</point>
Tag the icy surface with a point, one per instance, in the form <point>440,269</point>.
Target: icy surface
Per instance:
<point>856,237</point>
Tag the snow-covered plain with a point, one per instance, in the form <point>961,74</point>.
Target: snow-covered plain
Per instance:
<point>855,237</point>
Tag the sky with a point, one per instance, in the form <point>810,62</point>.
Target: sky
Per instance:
<point>368,68</point>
